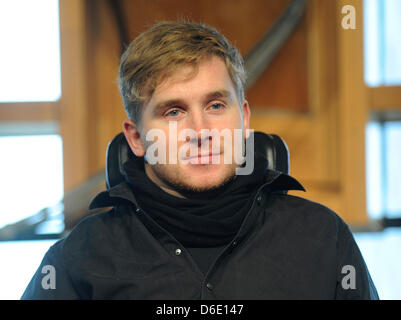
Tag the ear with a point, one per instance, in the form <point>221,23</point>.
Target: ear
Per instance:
<point>133,136</point>
<point>246,116</point>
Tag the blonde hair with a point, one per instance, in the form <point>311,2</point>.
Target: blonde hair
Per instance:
<point>159,51</point>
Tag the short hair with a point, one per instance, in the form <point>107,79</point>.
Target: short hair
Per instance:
<point>159,51</point>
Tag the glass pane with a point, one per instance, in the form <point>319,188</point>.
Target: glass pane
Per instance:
<point>392,21</point>
<point>393,144</point>
<point>30,51</point>
<point>381,251</point>
<point>383,169</point>
<point>373,75</point>
<point>382,44</point>
<point>374,170</point>
<point>20,260</point>
<point>31,171</point>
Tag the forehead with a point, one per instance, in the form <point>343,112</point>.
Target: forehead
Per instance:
<point>210,75</point>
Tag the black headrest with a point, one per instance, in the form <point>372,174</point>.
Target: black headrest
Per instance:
<point>118,152</point>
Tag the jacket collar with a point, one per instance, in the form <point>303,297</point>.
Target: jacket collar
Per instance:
<point>274,182</point>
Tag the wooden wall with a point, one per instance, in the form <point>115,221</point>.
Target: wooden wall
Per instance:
<point>312,95</point>
<point>243,22</point>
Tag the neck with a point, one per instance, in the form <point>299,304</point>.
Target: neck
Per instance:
<point>166,188</point>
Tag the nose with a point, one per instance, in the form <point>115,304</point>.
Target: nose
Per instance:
<point>198,121</point>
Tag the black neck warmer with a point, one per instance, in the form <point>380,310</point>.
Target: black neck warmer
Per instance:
<point>208,221</point>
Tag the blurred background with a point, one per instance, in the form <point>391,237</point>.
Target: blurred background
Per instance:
<point>329,83</point>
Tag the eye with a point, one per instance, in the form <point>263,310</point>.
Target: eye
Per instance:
<point>217,106</point>
<point>173,113</point>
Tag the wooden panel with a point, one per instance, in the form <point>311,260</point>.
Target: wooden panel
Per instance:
<point>29,111</point>
<point>385,98</point>
<point>297,132</point>
<point>243,23</point>
<point>353,117</point>
<point>323,88</point>
<point>284,85</point>
<point>104,102</point>
<point>327,144</point>
<point>311,137</point>
<point>74,116</point>
<point>325,193</point>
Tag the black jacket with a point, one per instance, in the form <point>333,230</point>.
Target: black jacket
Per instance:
<point>286,248</point>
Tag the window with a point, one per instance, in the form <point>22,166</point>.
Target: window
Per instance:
<point>20,260</point>
<point>30,51</point>
<point>382,25</point>
<point>31,167</point>
<point>383,168</point>
<point>31,170</point>
<point>373,170</point>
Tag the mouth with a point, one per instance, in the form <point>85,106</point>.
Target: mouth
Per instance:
<point>205,158</point>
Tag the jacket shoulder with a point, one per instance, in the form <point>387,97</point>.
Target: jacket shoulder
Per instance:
<point>307,214</point>
<point>303,205</point>
<point>90,231</point>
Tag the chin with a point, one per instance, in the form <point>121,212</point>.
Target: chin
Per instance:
<point>206,178</point>
<point>192,178</point>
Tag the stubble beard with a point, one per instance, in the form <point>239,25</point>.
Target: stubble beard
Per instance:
<point>177,180</point>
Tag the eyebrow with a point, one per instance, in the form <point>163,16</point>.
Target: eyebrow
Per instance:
<point>219,94</point>
<point>210,96</point>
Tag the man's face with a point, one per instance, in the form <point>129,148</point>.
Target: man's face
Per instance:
<point>206,100</point>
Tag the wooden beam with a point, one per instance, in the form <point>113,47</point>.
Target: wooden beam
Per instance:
<point>353,115</point>
<point>385,98</point>
<point>74,117</point>
<point>322,85</point>
<point>29,111</point>
<point>326,193</point>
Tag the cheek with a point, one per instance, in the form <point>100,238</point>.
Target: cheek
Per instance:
<point>237,118</point>
<point>232,126</point>
<point>155,141</point>
<point>231,120</point>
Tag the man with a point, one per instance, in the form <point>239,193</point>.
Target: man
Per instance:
<point>185,224</point>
